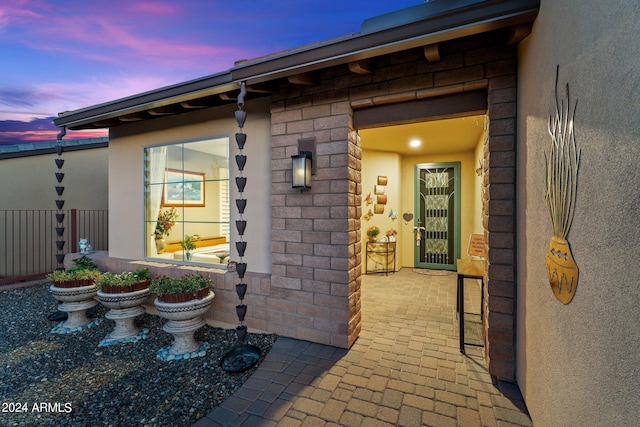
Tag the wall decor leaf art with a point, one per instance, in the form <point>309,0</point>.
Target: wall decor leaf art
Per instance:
<point>562,164</point>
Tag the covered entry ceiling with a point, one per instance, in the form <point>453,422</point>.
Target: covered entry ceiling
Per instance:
<point>437,136</point>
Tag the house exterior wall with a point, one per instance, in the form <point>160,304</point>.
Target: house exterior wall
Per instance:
<point>304,248</point>
<point>126,174</point>
<point>578,363</point>
<point>316,240</point>
<point>126,204</point>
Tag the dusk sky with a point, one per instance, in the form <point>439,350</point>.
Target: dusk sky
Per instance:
<point>61,55</point>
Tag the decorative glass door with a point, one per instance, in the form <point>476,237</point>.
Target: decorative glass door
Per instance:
<point>437,223</point>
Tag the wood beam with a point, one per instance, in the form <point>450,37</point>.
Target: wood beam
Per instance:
<point>518,33</point>
<point>227,96</point>
<point>306,79</point>
<point>432,52</point>
<point>105,123</point>
<point>194,104</point>
<point>266,87</point>
<point>162,111</point>
<point>135,117</point>
<point>361,67</point>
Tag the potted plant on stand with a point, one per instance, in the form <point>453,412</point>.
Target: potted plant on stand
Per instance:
<point>166,221</point>
<point>189,244</point>
<point>123,294</point>
<point>372,233</point>
<point>182,301</point>
<point>75,289</point>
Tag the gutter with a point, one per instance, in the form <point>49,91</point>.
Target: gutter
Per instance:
<point>438,21</point>
<point>467,17</point>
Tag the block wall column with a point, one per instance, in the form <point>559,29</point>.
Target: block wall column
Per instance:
<point>499,219</point>
<point>315,283</point>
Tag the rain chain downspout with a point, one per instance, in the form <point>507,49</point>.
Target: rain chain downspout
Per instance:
<point>243,356</point>
<point>59,202</point>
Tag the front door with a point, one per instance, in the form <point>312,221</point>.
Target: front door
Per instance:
<point>437,223</point>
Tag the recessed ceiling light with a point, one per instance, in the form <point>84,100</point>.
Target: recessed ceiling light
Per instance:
<point>414,143</point>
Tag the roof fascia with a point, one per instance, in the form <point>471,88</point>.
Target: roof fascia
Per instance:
<point>462,18</point>
<point>185,91</point>
<point>474,18</point>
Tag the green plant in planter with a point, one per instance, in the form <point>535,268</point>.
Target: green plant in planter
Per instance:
<point>373,232</point>
<point>84,263</point>
<point>85,274</point>
<point>142,274</point>
<point>124,282</point>
<point>191,286</point>
<point>74,278</point>
<point>59,276</point>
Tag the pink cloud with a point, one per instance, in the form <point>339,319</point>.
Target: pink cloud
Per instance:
<point>156,8</point>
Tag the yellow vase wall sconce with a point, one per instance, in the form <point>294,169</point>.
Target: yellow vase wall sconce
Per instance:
<point>561,166</point>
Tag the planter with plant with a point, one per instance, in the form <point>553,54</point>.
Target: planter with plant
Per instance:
<point>76,291</point>
<point>123,294</point>
<point>189,287</point>
<point>111,283</point>
<point>182,301</point>
<point>372,233</point>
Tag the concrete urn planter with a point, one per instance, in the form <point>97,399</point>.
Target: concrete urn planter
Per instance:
<point>123,309</point>
<point>183,319</point>
<point>75,301</point>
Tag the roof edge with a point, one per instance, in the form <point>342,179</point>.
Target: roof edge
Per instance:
<point>437,21</point>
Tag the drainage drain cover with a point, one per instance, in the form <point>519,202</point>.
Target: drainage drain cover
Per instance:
<point>58,316</point>
<point>240,358</point>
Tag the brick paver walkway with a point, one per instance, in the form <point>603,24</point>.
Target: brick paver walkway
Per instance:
<point>404,370</point>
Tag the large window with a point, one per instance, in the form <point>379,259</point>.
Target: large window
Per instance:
<point>187,200</point>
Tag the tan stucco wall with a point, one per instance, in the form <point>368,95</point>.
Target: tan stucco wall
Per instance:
<point>29,182</point>
<point>126,204</point>
<point>578,365</point>
<point>374,164</point>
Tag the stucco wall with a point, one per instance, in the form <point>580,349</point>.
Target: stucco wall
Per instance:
<point>579,364</point>
<point>375,163</point>
<point>126,203</point>
<point>29,182</point>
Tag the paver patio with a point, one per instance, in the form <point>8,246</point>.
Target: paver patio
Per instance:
<point>405,369</point>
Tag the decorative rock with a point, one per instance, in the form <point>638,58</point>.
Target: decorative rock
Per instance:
<point>60,329</point>
<point>165,355</point>
<point>108,340</point>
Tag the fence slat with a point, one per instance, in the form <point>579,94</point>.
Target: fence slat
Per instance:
<point>28,239</point>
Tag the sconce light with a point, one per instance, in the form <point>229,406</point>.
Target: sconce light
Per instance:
<point>301,167</point>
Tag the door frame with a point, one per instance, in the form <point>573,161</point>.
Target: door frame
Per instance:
<point>456,212</point>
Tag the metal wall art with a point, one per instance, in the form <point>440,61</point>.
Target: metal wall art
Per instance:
<point>562,166</point>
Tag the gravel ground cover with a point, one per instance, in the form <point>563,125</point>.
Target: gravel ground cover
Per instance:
<point>67,380</point>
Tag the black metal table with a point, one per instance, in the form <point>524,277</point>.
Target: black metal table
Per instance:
<point>468,269</point>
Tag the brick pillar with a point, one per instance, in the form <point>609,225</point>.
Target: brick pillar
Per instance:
<point>315,279</point>
<point>499,219</point>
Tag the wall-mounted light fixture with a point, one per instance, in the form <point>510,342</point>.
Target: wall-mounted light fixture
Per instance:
<point>301,167</point>
<point>303,164</point>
